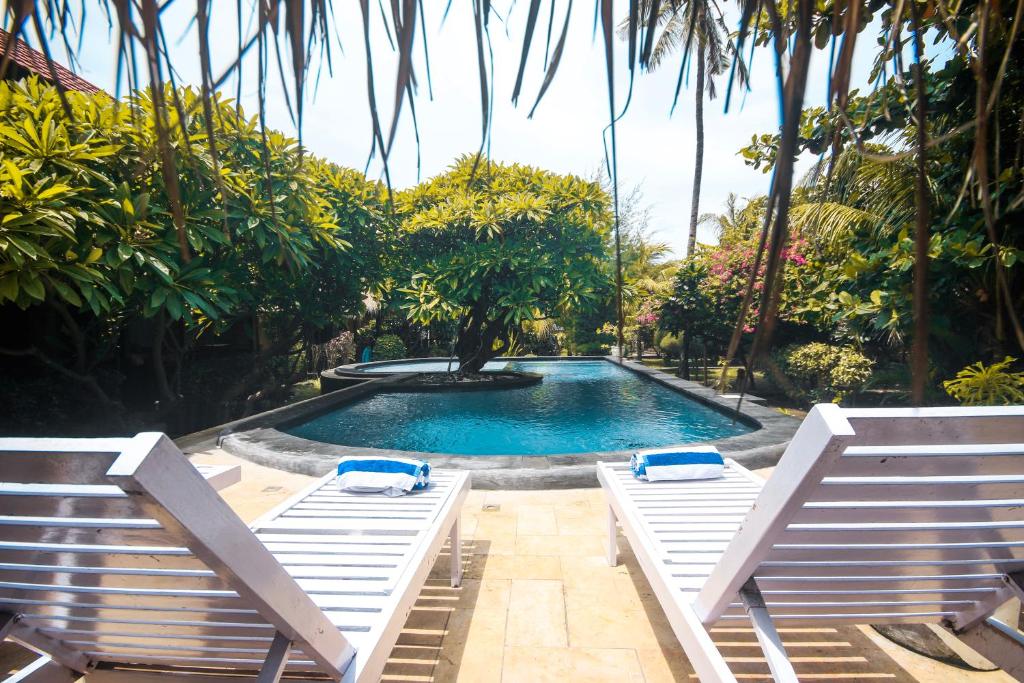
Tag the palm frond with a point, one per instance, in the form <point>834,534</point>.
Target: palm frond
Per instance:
<point>831,224</point>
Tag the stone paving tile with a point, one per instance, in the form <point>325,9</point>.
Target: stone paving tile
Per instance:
<point>473,646</point>
<point>605,591</point>
<point>536,520</point>
<point>558,665</point>
<point>579,522</point>
<point>536,614</point>
<point>517,567</point>
<point>664,665</point>
<point>560,545</point>
<point>595,626</point>
<point>473,594</point>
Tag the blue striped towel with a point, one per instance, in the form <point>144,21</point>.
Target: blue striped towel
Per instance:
<point>676,464</point>
<point>390,476</point>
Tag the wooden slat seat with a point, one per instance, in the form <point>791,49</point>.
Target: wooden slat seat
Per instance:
<point>115,554</point>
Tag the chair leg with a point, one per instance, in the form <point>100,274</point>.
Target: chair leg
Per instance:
<point>998,643</point>
<point>611,544</point>
<point>455,541</point>
<point>44,670</point>
<point>767,636</point>
<point>277,659</point>
<point>7,621</point>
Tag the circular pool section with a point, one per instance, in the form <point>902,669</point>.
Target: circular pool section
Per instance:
<point>418,365</point>
<point>580,407</point>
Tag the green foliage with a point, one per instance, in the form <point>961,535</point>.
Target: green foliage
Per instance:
<point>669,345</point>
<point>857,211</point>
<point>987,385</point>
<point>493,248</point>
<point>588,333</point>
<point>693,307</point>
<point>825,372</point>
<point>389,347</point>
<point>87,218</point>
<point>87,231</point>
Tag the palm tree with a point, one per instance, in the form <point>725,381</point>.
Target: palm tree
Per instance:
<point>647,273</point>
<point>682,24</point>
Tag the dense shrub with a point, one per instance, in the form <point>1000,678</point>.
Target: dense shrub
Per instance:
<point>389,347</point>
<point>668,344</point>
<point>987,385</point>
<point>823,372</point>
<point>592,348</point>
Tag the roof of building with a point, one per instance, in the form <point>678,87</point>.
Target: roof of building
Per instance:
<point>35,62</point>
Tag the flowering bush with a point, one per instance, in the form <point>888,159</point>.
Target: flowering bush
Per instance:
<point>647,316</point>
<point>729,269</point>
<point>826,373</point>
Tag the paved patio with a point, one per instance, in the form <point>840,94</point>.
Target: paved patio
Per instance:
<point>539,604</point>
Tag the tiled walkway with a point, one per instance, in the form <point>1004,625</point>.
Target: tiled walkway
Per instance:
<point>540,604</point>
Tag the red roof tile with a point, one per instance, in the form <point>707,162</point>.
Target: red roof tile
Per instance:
<point>35,62</point>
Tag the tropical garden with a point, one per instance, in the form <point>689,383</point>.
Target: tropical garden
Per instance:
<point>169,261</point>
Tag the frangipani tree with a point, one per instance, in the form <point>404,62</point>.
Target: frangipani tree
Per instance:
<point>88,235</point>
<point>498,246</point>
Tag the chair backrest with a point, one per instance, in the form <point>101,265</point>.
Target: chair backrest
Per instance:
<point>117,550</point>
<point>884,515</point>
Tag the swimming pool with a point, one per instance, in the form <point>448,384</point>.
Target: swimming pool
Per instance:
<point>580,407</point>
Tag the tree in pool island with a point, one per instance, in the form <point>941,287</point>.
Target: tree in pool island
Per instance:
<point>491,245</point>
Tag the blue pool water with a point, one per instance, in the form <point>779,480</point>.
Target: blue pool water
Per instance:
<point>581,406</point>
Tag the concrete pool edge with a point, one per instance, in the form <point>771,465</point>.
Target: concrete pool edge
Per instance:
<point>258,440</point>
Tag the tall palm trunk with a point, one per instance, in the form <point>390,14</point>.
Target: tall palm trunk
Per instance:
<point>698,166</point>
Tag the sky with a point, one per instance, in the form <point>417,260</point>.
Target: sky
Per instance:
<point>655,149</point>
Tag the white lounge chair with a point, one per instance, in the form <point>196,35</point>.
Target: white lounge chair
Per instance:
<point>872,516</point>
<point>120,562</point>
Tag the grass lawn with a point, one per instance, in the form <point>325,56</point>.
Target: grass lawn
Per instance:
<point>300,391</point>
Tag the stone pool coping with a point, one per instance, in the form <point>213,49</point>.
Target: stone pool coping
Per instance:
<point>257,438</point>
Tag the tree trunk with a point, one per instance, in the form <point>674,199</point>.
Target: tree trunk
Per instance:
<point>705,363</point>
<point>476,335</point>
<point>698,166</point>
<point>476,346</point>
<point>684,356</point>
<point>258,370</point>
<point>157,353</point>
<point>74,332</point>
<point>922,238</point>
